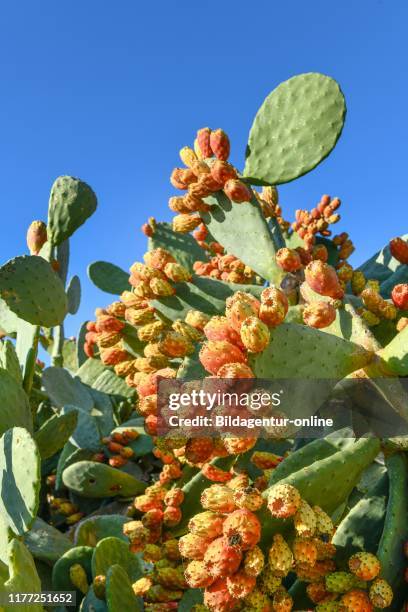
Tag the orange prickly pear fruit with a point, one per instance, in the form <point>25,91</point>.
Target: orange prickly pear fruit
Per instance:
<point>282,601</point>
<point>197,576</point>
<point>240,584</point>
<point>36,237</point>
<point>304,551</point>
<point>288,260</point>
<point>274,306</point>
<point>284,501</point>
<point>218,328</point>
<point>197,319</point>
<point>158,258</point>
<point>316,591</point>
<point>181,178</point>
<point>237,446</point>
<point>214,354</point>
<point>175,345</point>
<point>319,314</point>
<point>113,355</point>
<point>223,556</point>
<point>399,250</point>
<point>199,450</point>
<point>254,561</point>
<point>107,323</point>
<point>147,230</point>
<point>215,474</point>
<point>206,524</point>
<point>217,597</point>
<point>235,371</point>
<point>381,594</point>
<point>174,497</point>
<point>246,525</point>
<point>172,516</point>
<point>320,252</point>
<point>185,223</point>
<point>365,565</point>
<point>255,335</point>
<point>218,498</point>
<point>249,498</point>
<point>323,279</point>
<point>222,172</point>
<point>356,601</point>
<point>240,481</point>
<point>237,191</point>
<point>192,546</point>
<point>280,556</point>
<point>200,234</point>
<point>399,296</point>
<point>203,141</point>
<point>220,145</point>
<point>152,518</point>
<point>264,460</point>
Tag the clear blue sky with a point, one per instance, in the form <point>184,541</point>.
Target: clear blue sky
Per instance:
<point>110,91</point>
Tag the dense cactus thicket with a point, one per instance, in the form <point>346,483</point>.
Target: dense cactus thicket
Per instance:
<point>96,499</point>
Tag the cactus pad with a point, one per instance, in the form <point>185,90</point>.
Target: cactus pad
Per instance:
<point>182,246</point>
<point>15,409</point>
<point>45,542</point>
<point>296,127</point>
<point>71,203</point>
<point>23,575</point>
<point>91,479</point>
<point>74,294</point>
<point>55,432</point>
<point>95,528</point>
<point>114,551</point>
<point>119,592</point>
<point>108,277</point>
<point>33,291</point>
<point>19,479</point>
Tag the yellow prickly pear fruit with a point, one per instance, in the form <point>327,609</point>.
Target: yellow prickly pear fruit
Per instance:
<point>218,498</point>
<point>188,157</point>
<point>381,594</point>
<point>99,586</point>
<point>186,330</point>
<point>324,524</point>
<point>284,501</point>
<point>255,335</point>
<point>270,581</point>
<point>254,561</point>
<point>369,317</point>
<point>197,319</point>
<point>185,223</point>
<point>161,287</point>
<point>358,282</point>
<point>305,520</point>
<point>249,498</point>
<point>36,237</point>
<point>79,578</point>
<point>175,345</point>
<point>177,273</point>
<point>207,525</point>
<point>142,586</point>
<point>151,331</point>
<point>197,576</point>
<point>280,556</point>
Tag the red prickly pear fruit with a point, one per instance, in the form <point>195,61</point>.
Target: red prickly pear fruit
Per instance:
<point>255,335</point>
<point>36,236</point>
<point>107,323</point>
<point>237,191</point>
<point>150,425</point>
<point>319,314</point>
<point>197,576</point>
<point>147,230</point>
<point>237,446</point>
<point>240,584</point>
<point>89,350</point>
<point>215,474</point>
<point>200,234</point>
<point>235,371</point>
<point>323,279</point>
<point>364,565</point>
<point>245,526</point>
<point>289,260</point>
<point>399,296</point>
<point>113,355</point>
<point>214,354</point>
<point>284,501</point>
<point>218,498</point>
<point>206,524</point>
<point>203,141</point>
<point>217,597</point>
<point>356,600</point>
<point>274,306</point>
<point>218,328</point>
<point>399,250</point>
<point>223,557</point>
<point>222,171</point>
<point>304,255</point>
<point>192,546</point>
<point>220,144</point>
<point>320,252</point>
<point>199,450</point>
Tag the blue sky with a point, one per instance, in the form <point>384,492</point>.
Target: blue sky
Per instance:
<point>110,91</point>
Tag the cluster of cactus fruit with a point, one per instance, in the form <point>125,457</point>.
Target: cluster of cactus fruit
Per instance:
<point>101,502</point>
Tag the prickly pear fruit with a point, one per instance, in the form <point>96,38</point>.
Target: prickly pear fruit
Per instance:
<point>288,259</point>
<point>197,575</point>
<point>223,556</point>
<point>214,354</point>
<point>280,556</point>
<point>257,601</point>
<point>222,171</point>
<point>305,520</point>
<point>240,584</point>
<point>182,177</point>
<point>356,601</point>
<point>340,582</point>
<point>199,450</point>
<point>304,551</point>
<point>174,497</point>
<point>399,296</point>
<point>244,524</point>
<point>274,306</point>
<point>193,546</point>
<point>284,501</point>
<point>78,577</point>
<point>218,328</point>
<point>185,223</point>
<point>319,314</point>
<point>188,156</point>
<point>254,561</point>
<point>218,498</point>
<point>220,144</point>
<point>237,446</point>
<point>215,474</point>
<point>217,597</point>
<point>36,237</point>
<point>158,258</point>
<point>255,335</point>
<point>203,141</point>
<point>249,498</point>
<point>365,565</point>
<point>207,524</point>
<point>197,319</point>
<point>324,524</point>
<point>235,370</point>
<point>381,594</point>
<point>282,601</point>
<point>399,250</point>
<point>237,191</point>
<point>322,278</point>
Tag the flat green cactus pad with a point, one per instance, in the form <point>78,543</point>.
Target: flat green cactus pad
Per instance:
<point>81,555</point>
<point>15,409</point>
<point>9,360</point>
<point>243,231</point>
<point>33,291</point>
<point>91,603</point>
<point>119,592</point>
<point>183,247</point>
<point>55,432</point>
<point>296,127</point>
<point>19,479</point>
<point>395,354</point>
<point>108,277</point>
<point>114,551</point>
<point>95,528</point>
<point>64,389</point>
<point>71,203</point>
<point>45,542</point>
<point>8,320</point>
<point>23,576</point>
<point>74,294</point>
<point>92,479</point>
